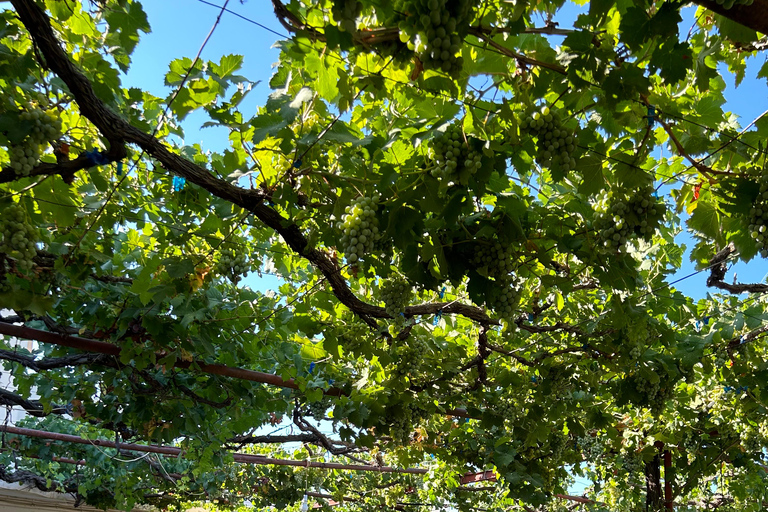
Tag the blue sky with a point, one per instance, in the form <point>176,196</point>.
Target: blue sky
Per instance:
<point>180,26</point>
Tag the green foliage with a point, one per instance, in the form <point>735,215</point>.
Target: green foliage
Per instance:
<point>475,236</point>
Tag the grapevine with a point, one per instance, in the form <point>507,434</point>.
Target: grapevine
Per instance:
<point>395,293</point>
<point>628,213</point>
<point>18,236</point>
<point>435,30</point>
<point>455,155</point>
<point>360,228</point>
<point>556,143</point>
<point>758,218</point>
<point>232,265</point>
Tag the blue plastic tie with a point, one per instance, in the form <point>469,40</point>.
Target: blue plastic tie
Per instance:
<point>437,318</point>
<point>706,320</point>
<point>95,158</point>
<point>296,164</point>
<point>651,115</point>
<point>530,317</point>
<point>120,168</point>
<point>311,367</point>
<point>330,382</point>
<point>178,183</point>
<point>698,326</point>
<point>442,292</point>
<point>534,379</point>
<point>743,340</point>
<point>727,389</point>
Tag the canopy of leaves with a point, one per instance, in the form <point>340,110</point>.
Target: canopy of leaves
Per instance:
<point>472,212</point>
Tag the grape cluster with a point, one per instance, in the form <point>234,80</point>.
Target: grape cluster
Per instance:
<point>395,293</point>
<point>636,351</point>
<point>353,335</point>
<point>655,397</point>
<point>232,265</point>
<point>558,444</point>
<point>409,358</point>
<point>435,30</point>
<point>346,12</point>
<point>506,302</point>
<point>455,155</point>
<point>317,409</point>
<point>634,466</point>
<point>628,213</point>
<point>752,441</point>
<point>46,126</point>
<point>507,409</point>
<point>728,4</point>
<point>758,218</point>
<point>590,447</point>
<point>689,443</point>
<point>360,228</point>
<point>556,143</point>
<point>401,425</point>
<point>18,236</point>
<point>497,258</point>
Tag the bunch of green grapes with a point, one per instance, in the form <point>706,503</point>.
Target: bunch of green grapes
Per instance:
<point>590,447</point>
<point>317,409</point>
<point>558,443</point>
<point>395,293</point>
<point>353,335</point>
<point>633,465</point>
<point>18,236</point>
<point>408,358</point>
<point>232,265</point>
<point>401,425</point>
<point>507,409</point>
<point>456,157</point>
<point>555,143</point>
<point>728,4</point>
<point>505,303</point>
<point>497,258</point>
<point>346,12</point>
<point>752,441</point>
<point>46,127</point>
<point>758,218</point>
<point>655,395</point>
<point>435,30</point>
<point>627,213</point>
<point>360,228</point>
<point>637,350</point>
